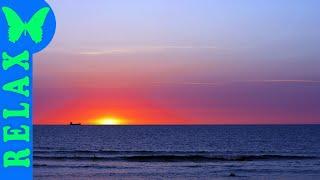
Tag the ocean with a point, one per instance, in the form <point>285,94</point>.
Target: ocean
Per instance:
<point>177,152</point>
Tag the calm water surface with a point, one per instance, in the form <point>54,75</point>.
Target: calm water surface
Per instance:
<point>176,152</point>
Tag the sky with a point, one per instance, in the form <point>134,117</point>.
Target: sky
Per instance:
<point>180,62</point>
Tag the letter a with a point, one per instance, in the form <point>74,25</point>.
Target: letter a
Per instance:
<point>18,86</point>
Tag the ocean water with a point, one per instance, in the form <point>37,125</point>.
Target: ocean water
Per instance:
<point>176,152</point>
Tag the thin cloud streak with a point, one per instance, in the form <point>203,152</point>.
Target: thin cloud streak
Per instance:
<point>299,81</point>
<point>187,83</point>
<point>286,81</point>
<point>143,49</point>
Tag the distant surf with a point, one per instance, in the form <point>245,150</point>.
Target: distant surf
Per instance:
<point>158,156</point>
<point>176,152</point>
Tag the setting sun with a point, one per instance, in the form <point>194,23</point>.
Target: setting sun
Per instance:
<point>109,121</point>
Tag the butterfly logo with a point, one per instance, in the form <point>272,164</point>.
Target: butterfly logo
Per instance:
<point>17,27</point>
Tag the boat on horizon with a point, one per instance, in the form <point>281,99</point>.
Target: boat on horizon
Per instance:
<point>75,124</point>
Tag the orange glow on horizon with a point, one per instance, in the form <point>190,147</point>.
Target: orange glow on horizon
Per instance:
<point>109,121</point>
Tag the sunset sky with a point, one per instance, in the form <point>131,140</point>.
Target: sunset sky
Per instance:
<point>180,62</point>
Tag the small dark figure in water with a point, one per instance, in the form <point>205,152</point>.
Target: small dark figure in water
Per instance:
<point>95,157</point>
<point>232,175</point>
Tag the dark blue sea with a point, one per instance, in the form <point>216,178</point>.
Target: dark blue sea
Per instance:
<point>176,152</point>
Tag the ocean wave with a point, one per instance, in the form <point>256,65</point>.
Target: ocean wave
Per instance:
<point>115,152</point>
<point>74,166</point>
<point>175,158</point>
<point>95,151</point>
<point>216,158</point>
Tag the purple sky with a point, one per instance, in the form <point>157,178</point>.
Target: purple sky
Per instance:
<point>168,62</point>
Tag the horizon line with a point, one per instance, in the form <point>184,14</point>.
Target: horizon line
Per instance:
<point>264,124</point>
